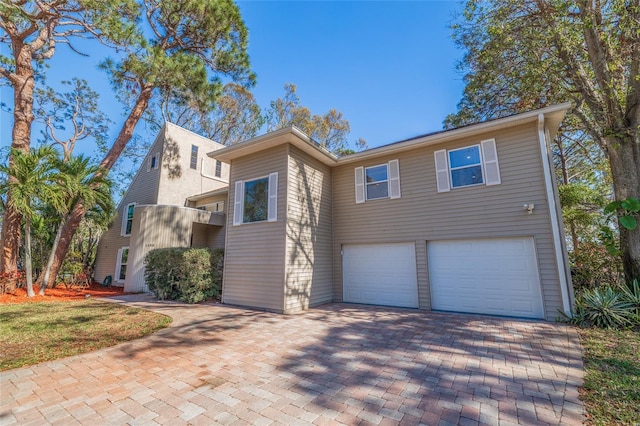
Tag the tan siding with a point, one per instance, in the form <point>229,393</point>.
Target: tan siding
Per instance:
<point>423,214</point>
<point>309,267</point>
<point>178,179</point>
<point>170,184</point>
<point>142,190</point>
<point>255,252</point>
<point>159,227</point>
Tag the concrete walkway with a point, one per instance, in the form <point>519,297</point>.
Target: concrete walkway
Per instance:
<point>337,364</point>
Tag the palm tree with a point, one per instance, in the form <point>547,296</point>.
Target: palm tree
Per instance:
<point>80,183</point>
<point>32,180</point>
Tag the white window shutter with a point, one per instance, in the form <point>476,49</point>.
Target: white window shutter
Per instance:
<point>359,185</point>
<point>238,203</point>
<point>123,224</point>
<point>394,179</point>
<point>490,158</point>
<point>272,214</point>
<point>442,170</point>
<point>149,164</point>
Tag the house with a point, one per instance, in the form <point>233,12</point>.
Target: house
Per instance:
<point>153,212</point>
<point>464,220</point>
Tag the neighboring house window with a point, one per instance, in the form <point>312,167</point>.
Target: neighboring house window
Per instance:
<point>121,264</point>
<point>194,157</point>
<point>376,182</point>
<point>218,168</point>
<point>153,162</point>
<point>256,200</point>
<point>468,166</point>
<point>127,219</point>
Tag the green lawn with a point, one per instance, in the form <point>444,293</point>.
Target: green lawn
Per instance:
<point>612,376</point>
<point>35,332</point>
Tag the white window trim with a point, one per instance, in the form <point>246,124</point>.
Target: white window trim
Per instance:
<point>123,226</point>
<point>366,184</point>
<point>116,275</point>
<point>452,169</point>
<point>393,182</point>
<point>272,200</point>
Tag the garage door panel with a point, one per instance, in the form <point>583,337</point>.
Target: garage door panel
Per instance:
<point>498,277</point>
<point>380,274</point>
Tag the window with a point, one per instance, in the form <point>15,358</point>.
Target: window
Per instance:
<point>127,219</point>
<point>194,157</point>
<point>468,166</point>
<point>377,182</point>
<point>218,168</point>
<point>153,162</point>
<point>465,166</point>
<point>256,200</point>
<point>121,264</point>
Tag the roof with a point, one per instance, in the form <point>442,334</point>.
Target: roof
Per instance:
<point>552,115</point>
<point>220,191</point>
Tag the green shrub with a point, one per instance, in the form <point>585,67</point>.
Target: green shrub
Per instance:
<point>191,275</point>
<point>592,266</point>
<point>631,294</point>
<point>603,308</point>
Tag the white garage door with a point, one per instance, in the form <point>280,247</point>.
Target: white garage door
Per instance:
<point>380,274</point>
<point>496,276</point>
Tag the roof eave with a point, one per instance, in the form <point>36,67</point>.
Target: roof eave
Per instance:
<point>553,116</point>
<point>291,135</point>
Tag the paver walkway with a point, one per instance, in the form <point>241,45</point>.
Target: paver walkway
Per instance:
<point>337,364</point>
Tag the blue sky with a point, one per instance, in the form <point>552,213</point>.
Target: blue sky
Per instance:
<point>389,67</point>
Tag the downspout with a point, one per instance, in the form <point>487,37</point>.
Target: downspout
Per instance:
<point>553,216</point>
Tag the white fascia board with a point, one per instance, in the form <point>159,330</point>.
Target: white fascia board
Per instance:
<point>291,135</point>
<point>553,215</point>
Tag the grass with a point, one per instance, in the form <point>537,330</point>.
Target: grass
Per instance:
<point>31,333</point>
<point>612,376</point>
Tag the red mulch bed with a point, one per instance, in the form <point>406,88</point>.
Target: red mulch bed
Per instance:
<point>60,294</point>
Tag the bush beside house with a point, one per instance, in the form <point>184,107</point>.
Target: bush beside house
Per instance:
<point>190,275</point>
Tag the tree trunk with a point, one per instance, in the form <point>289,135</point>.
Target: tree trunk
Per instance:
<point>624,159</point>
<point>23,84</point>
<point>70,225</point>
<point>47,270</point>
<point>27,257</point>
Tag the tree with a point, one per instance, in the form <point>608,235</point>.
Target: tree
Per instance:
<point>33,30</point>
<point>330,130</point>
<point>34,180</point>
<point>235,118</point>
<point>71,117</point>
<point>189,47</point>
<point>523,54</point>
<point>79,181</point>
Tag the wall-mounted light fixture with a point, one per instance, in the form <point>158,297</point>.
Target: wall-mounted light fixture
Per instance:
<point>528,207</point>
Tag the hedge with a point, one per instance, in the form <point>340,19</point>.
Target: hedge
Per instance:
<point>190,275</point>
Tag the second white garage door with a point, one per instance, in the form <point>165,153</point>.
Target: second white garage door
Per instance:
<point>493,276</point>
<point>380,274</point>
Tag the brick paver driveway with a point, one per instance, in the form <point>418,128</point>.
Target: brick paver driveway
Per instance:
<point>337,364</point>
